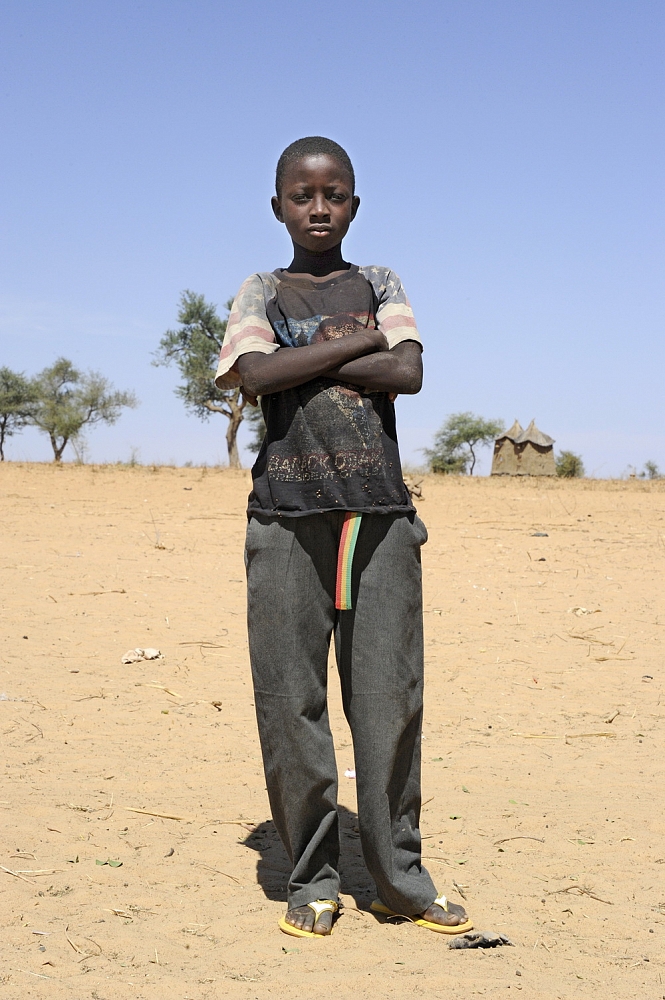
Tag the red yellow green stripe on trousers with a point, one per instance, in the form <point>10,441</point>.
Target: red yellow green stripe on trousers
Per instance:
<point>347,545</point>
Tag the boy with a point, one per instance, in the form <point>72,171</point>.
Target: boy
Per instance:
<point>333,547</point>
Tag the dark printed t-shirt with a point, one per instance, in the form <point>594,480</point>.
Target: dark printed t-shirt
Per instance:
<point>329,445</point>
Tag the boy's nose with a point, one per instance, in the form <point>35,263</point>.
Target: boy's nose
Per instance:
<point>319,208</point>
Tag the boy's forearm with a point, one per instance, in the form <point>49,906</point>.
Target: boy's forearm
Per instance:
<point>399,370</point>
<point>288,367</point>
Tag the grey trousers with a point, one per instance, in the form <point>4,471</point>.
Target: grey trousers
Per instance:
<point>291,570</point>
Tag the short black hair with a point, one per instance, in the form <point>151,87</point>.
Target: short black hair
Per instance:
<point>313,145</point>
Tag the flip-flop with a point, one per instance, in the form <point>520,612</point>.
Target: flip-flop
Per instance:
<point>319,906</point>
<point>378,907</point>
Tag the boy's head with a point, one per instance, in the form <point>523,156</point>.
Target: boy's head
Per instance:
<point>313,145</point>
<point>315,199</point>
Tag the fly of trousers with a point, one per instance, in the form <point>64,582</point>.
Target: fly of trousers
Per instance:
<point>291,574</point>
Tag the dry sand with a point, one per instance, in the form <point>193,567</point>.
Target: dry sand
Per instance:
<point>547,815</point>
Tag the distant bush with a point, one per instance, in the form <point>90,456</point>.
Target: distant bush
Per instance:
<point>651,471</point>
<point>194,350</point>
<point>254,418</point>
<point>67,401</point>
<point>455,443</point>
<point>569,465</point>
<point>17,403</point>
<point>448,465</point>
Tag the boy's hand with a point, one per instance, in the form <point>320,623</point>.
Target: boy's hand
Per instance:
<point>377,339</point>
<point>252,400</point>
<point>262,374</point>
<point>344,325</point>
<point>377,345</point>
<point>399,370</point>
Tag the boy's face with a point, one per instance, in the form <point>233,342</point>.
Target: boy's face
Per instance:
<point>316,204</point>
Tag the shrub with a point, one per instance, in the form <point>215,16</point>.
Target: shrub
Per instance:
<point>569,465</point>
<point>455,443</point>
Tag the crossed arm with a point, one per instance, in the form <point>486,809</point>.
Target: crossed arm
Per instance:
<point>361,358</point>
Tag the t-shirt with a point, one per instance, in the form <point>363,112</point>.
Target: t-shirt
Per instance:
<point>329,445</point>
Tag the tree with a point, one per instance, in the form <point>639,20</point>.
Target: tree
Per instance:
<point>68,400</point>
<point>194,349</point>
<point>650,471</point>
<point>255,420</point>
<point>569,465</point>
<point>17,397</point>
<point>456,442</point>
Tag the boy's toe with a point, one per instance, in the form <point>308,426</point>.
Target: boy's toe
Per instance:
<point>324,924</point>
<point>302,917</point>
<point>452,917</point>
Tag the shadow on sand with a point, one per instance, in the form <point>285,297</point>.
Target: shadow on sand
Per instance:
<point>273,867</point>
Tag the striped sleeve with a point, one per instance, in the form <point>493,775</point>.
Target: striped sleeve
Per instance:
<point>394,314</point>
<point>247,330</point>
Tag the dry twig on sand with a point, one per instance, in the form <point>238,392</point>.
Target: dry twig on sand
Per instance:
<point>587,637</point>
<point>16,875</point>
<point>38,975</point>
<point>460,889</point>
<point>504,840</point>
<point>219,872</point>
<point>96,593</point>
<point>246,824</point>
<point>39,871</point>
<point>588,736</point>
<point>580,890</point>
<point>158,687</point>
<point>159,815</point>
<point>206,643</point>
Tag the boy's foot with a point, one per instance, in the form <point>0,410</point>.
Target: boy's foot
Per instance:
<point>442,916</point>
<point>311,920</point>
<point>452,917</point>
<point>303,918</point>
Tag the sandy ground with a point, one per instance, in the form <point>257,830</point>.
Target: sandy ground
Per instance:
<point>543,812</point>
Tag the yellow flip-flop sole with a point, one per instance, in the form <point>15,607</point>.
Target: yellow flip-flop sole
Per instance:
<point>297,932</point>
<point>378,907</point>
<point>318,907</point>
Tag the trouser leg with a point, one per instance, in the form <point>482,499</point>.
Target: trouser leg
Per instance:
<point>291,614</point>
<point>380,657</point>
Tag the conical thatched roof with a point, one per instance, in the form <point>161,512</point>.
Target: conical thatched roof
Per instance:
<point>523,453</point>
<point>514,434</point>
<point>533,436</point>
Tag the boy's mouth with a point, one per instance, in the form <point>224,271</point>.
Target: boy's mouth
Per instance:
<point>319,230</point>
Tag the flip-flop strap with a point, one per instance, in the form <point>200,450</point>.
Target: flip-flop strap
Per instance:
<point>323,906</point>
<point>442,901</point>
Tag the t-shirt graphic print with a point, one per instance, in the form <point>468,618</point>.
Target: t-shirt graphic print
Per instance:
<point>329,445</point>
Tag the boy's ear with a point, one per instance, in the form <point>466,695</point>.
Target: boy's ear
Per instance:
<point>277,208</point>
<point>355,205</point>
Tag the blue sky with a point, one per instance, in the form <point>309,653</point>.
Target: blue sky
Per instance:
<point>509,156</point>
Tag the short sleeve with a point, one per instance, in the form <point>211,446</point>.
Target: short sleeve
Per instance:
<point>247,330</point>
<point>394,313</point>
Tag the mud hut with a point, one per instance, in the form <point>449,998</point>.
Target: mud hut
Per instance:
<point>523,453</point>
<point>504,460</point>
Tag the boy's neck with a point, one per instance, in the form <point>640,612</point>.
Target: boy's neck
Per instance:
<point>319,265</point>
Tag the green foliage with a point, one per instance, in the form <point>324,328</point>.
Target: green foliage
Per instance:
<point>68,400</point>
<point>569,465</point>
<point>254,418</point>
<point>17,398</point>
<point>449,465</point>
<point>455,443</point>
<point>651,471</point>
<point>194,349</point>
